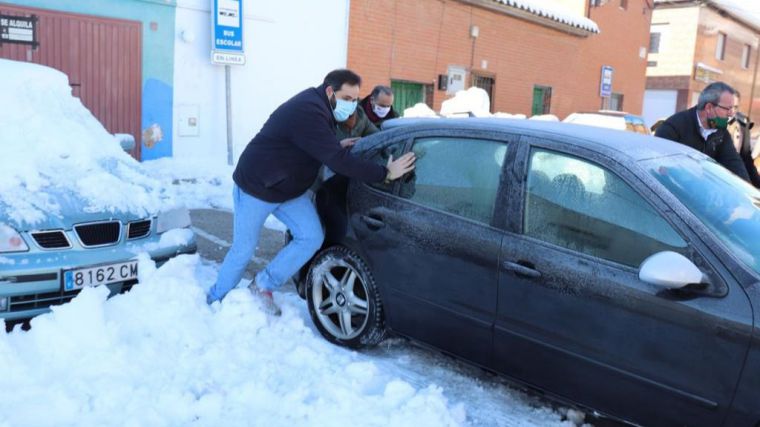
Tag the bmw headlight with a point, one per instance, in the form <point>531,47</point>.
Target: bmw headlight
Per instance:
<point>10,240</point>
<point>171,219</point>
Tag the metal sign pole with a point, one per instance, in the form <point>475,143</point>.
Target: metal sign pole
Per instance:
<point>229,113</point>
<point>227,49</point>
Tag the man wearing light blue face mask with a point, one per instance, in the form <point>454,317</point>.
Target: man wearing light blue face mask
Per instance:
<point>275,171</point>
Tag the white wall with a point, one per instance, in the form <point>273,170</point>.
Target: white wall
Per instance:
<point>659,104</point>
<point>289,46</point>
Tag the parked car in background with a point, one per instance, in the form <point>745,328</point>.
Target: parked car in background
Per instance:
<point>594,266</point>
<point>75,209</point>
<point>610,119</point>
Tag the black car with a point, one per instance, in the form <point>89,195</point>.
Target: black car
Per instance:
<point>613,271</point>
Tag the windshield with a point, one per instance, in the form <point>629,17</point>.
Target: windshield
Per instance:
<point>725,203</point>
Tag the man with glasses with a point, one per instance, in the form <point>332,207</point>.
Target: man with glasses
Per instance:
<point>703,127</point>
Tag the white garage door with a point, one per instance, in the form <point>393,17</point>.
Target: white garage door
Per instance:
<point>659,104</point>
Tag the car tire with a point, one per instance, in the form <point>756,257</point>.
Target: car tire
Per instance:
<point>343,300</point>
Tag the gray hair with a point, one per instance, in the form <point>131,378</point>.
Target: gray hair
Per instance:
<point>381,89</point>
<point>711,94</point>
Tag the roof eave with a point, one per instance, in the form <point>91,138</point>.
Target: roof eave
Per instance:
<point>531,17</point>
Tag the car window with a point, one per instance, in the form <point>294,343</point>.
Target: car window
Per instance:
<point>725,203</point>
<point>457,175</point>
<point>579,205</point>
<point>381,158</point>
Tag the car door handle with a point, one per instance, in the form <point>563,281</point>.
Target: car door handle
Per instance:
<point>373,222</point>
<point>522,270</point>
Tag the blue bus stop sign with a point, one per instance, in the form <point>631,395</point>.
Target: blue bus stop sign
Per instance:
<point>605,88</point>
<point>227,32</point>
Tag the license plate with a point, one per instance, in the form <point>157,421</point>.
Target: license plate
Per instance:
<point>100,275</point>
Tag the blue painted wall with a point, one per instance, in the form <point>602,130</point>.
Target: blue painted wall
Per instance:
<point>157,17</point>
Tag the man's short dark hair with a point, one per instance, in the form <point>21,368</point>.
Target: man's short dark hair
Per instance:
<point>337,78</point>
<point>711,94</point>
<point>381,89</point>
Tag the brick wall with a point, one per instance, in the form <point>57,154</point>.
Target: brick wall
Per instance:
<point>418,40</point>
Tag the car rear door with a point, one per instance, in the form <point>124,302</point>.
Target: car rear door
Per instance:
<point>431,245</point>
<point>574,318</point>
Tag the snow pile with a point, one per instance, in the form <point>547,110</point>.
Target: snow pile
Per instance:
<point>473,101</point>
<point>420,110</point>
<point>53,145</point>
<point>545,117</point>
<point>160,356</point>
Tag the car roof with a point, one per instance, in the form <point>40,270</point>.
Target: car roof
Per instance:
<point>624,146</point>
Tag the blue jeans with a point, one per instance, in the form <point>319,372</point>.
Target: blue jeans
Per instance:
<point>301,218</point>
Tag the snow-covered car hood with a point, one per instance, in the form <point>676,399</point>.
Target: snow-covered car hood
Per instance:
<point>63,210</point>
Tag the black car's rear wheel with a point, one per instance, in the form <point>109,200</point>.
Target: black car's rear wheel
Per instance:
<point>343,300</point>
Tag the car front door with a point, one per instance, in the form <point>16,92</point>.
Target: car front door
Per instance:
<point>574,318</point>
<point>431,246</point>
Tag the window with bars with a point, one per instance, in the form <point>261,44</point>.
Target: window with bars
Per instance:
<point>487,84</point>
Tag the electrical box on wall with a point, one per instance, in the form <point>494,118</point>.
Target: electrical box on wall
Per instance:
<point>188,116</point>
<point>443,81</point>
<point>456,79</point>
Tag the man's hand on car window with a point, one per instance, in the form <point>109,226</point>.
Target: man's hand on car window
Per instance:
<point>397,168</point>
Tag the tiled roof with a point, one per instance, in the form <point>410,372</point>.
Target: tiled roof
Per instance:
<point>543,9</point>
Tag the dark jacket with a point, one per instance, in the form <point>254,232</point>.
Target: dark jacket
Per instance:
<point>683,127</point>
<point>283,159</point>
<point>366,104</point>
<point>358,125</point>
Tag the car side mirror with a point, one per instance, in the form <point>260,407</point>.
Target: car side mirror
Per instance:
<point>670,270</point>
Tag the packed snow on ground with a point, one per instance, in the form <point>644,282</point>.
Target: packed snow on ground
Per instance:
<point>159,355</point>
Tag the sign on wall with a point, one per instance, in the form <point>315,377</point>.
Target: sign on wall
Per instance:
<point>227,32</point>
<point>18,29</point>
<point>605,88</point>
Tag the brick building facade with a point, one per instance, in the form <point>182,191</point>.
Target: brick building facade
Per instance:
<point>531,63</point>
<point>693,44</point>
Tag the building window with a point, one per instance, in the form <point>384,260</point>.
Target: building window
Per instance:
<point>745,56</point>
<point>654,42</point>
<point>542,100</point>
<point>487,84</point>
<point>720,49</point>
<point>616,102</point>
<point>624,4</point>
